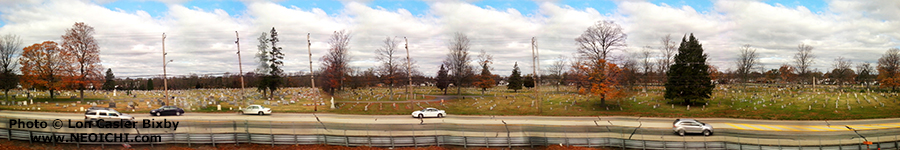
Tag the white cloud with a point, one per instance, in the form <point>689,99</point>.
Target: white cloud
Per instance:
<point>201,41</point>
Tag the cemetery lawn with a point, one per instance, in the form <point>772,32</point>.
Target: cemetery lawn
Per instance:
<point>775,102</point>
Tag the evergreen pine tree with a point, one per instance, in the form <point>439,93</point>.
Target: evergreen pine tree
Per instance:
<point>688,78</point>
<point>149,85</point>
<point>110,82</point>
<point>443,80</point>
<point>515,79</point>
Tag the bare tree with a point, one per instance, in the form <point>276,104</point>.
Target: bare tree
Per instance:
<point>556,70</point>
<point>646,64</point>
<point>600,39</point>
<point>336,63</point>
<point>667,52</point>
<point>746,62</point>
<point>79,40</point>
<point>842,72</point>
<point>803,59</point>
<point>865,73</point>
<point>390,65</point>
<point>458,60</point>
<point>9,49</point>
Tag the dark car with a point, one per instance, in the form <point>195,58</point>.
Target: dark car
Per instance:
<point>167,110</point>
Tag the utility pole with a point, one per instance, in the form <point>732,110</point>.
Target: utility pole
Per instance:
<point>312,77</point>
<point>534,73</point>
<point>165,77</point>
<point>240,65</point>
<point>408,75</point>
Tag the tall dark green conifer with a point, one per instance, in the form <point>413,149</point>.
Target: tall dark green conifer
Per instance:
<point>150,85</point>
<point>110,82</point>
<point>515,79</point>
<point>443,79</point>
<point>688,78</point>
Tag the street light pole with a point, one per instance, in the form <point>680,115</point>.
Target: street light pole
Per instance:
<point>240,65</point>
<point>165,78</point>
<point>312,77</point>
<point>408,75</point>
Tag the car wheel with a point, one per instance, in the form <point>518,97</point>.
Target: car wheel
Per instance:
<point>260,113</point>
<point>421,116</point>
<point>440,115</point>
<point>158,114</point>
<point>707,133</point>
<point>179,113</point>
<point>681,132</point>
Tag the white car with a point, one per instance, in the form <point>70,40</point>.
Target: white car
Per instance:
<point>429,112</point>
<point>256,109</point>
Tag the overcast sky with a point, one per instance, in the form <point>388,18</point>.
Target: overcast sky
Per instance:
<point>201,34</point>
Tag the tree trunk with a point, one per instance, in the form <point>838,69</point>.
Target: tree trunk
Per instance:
<point>6,92</point>
<point>458,89</point>
<point>51,94</point>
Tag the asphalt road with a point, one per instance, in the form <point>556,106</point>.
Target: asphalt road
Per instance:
<point>648,125</point>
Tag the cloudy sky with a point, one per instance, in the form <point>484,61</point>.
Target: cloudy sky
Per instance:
<point>201,34</point>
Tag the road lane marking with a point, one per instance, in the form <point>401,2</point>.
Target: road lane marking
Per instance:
<point>808,128</point>
<point>825,128</point>
<point>751,126</point>
<point>776,129</point>
<point>792,129</point>
<point>735,126</point>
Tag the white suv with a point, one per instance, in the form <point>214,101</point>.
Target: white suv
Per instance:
<point>106,114</point>
<point>682,126</point>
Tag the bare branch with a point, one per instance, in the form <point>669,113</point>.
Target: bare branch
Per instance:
<point>600,39</point>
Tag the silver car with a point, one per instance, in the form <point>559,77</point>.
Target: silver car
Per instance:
<point>682,126</point>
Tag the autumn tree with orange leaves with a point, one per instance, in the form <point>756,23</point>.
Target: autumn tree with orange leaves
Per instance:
<point>486,78</point>
<point>80,43</point>
<point>597,78</point>
<point>47,67</point>
<point>787,73</point>
<point>889,69</point>
<point>335,64</point>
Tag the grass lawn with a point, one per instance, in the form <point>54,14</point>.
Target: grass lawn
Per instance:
<point>744,101</point>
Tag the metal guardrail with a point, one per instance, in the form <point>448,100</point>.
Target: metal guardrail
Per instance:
<point>477,135</point>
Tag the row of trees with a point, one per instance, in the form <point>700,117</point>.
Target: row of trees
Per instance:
<point>73,64</point>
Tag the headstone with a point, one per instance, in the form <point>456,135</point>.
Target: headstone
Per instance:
<point>112,104</point>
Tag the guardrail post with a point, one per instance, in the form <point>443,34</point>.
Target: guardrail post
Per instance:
<point>484,134</point>
<point>391,135</point>
<point>234,132</point>
<point>436,140</point>
<point>271,134</point>
<point>247,130</point>
<point>188,135</point>
<point>29,139</point>
<point>346,138</point>
<point>294,132</point>
<point>211,137</point>
<point>368,136</point>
